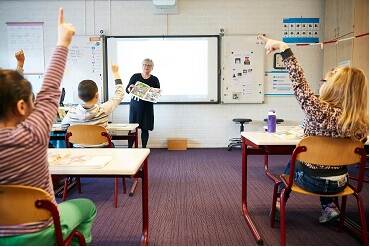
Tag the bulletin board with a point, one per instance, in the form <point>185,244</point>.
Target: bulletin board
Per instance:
<point>242,69</point>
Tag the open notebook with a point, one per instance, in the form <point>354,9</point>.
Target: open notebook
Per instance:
<point>67,159</point>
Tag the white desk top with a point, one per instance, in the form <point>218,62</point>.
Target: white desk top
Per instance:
<point>123,161</point>
<point>284,135</point>
<point>112,127</point>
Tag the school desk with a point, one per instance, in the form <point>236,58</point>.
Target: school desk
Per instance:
<point>118,131</point>
<point>121,162</point>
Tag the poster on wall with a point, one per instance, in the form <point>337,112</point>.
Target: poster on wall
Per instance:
<point>28,36</point>
<point>301,30</point>
<point>278,83</point>
<point>241,64</point>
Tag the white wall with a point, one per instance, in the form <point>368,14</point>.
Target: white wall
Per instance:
<point>203,125</point>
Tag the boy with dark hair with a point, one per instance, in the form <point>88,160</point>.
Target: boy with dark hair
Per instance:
<point>87,90</point>
<point>90,112</point>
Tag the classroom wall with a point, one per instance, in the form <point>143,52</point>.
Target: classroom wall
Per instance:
<point>203,125</point>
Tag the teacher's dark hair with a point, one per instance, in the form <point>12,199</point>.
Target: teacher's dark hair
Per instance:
<point>13,87</point>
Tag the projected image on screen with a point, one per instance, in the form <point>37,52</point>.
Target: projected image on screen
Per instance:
<point>185,66</point>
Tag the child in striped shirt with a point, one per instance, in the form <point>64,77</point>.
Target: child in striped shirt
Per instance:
<point>24,137</point>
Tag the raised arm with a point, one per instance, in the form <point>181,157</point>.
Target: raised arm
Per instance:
<point>19,55</point>
<point>310,104</point>
<point>119,93</point>
<point>41,119</point>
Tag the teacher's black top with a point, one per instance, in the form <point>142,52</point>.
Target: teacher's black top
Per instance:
<point>141,111</point>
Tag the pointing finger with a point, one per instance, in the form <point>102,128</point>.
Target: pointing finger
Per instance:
<point>61,16</point>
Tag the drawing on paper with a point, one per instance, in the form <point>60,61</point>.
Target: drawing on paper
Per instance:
<point>145,92</point>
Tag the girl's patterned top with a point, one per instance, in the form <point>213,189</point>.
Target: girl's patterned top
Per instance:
<point>321,118</point>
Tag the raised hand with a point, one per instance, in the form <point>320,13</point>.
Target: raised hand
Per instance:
<point>19,55</point>
<point>273,45</point>
<point>65,31</point>
<point>115,68</point>
<point>115,71</point>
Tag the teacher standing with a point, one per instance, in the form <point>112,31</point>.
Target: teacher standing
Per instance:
<point>141,111</point>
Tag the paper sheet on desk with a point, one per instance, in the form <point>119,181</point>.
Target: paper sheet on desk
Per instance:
<point>118,129</point>
<point>289,132</point>
<point>70,160</point>
<point>116,125</point>
<point>56,127</point>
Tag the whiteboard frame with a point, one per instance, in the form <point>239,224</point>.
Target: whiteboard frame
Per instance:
<point>105,64</point>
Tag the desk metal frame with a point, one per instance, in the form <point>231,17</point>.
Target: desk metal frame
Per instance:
<point>143,174</point>
<point>250,148</point>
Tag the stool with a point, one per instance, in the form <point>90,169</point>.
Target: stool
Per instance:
<point>237,141</point>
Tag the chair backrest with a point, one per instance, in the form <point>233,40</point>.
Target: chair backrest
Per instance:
<point>17,205</point>
<point>21,204</point>
<point>330,151</point>
<point>88,135</point>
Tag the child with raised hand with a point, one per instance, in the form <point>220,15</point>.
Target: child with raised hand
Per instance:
<point>340,111</point>
<point>24,137</point>
<point>90,112</point>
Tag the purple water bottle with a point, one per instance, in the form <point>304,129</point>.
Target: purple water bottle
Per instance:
<point>271,121</point>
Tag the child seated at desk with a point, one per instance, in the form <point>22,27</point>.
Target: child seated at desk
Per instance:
<point>24,137</point>
<point>91,112</point>
<point>340,111</point>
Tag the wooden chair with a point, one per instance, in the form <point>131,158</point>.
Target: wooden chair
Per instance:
<point>330,152</point>
<point>90,136</point>
<point>25,204</point>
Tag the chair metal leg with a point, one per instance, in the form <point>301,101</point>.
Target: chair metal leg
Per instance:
<point>124,185</point>
<point>133,187</point>
<point>79,184</point>
<point>335,199</point>
<point>65,190</point>
<point>116,192</point>
<point>282,218</point>
<point>361,211</point>
<point>273,206</point>
<point>80,237</point>
<point>342,212</point>
<point>277,182</point>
